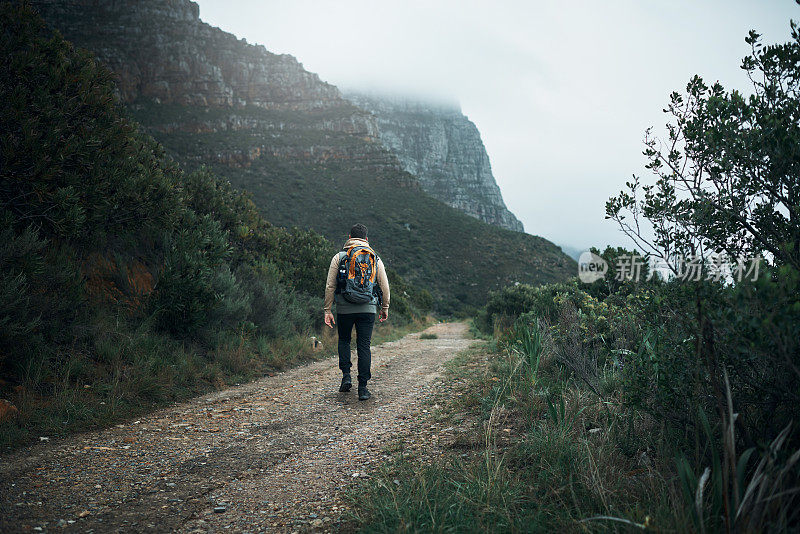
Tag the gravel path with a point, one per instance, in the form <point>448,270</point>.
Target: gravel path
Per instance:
<point>272,455</point>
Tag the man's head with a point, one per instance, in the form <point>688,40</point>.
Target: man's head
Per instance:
<point>358,231</point>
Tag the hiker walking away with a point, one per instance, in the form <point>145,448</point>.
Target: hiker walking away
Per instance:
<point>358,285</point>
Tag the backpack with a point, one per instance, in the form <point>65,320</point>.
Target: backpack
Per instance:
<point>357,274</point>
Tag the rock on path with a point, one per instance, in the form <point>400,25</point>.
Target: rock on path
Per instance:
<point>272,455</point>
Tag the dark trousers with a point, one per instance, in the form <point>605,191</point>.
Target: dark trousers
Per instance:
<point>363,323</point>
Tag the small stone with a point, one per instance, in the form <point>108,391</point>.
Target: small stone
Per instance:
<point>317,523</point>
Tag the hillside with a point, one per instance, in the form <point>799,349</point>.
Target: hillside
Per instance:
<point>309,157</point>
<point>441,147</point>
<point>127,282</point>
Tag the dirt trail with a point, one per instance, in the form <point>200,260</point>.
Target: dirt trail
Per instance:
<point>276,453</point>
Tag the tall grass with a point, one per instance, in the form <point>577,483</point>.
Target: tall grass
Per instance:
<point>527,344</point>
<point>546,456</point>
<point>732,496</point>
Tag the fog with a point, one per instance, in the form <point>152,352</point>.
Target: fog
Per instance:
<point>561,92</point>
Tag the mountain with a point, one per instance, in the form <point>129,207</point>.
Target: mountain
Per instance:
<point>310,157</point>
<point>443,149</point>
<point>573,252</point>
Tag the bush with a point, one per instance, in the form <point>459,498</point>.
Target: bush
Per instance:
<point>755,330</point>
<point>32,272</point>
<point>602,327</point>
<point>275,309</point>
<point>59,109</point>
<point>506,305</point>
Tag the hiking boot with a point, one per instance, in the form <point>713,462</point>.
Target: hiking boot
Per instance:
<point>363,392</point>
<point>347,383</point>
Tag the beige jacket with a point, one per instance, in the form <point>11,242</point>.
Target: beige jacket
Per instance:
<point>330,284</point>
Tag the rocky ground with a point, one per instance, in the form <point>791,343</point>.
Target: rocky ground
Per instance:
<point>273,455</point>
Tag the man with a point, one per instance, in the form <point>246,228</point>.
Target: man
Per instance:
<point>354,290</point>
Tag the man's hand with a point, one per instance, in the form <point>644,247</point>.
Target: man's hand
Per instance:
<point>329,320</point>
<point>384,314</point>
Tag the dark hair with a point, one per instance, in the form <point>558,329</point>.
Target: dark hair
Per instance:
<point>358,231</point>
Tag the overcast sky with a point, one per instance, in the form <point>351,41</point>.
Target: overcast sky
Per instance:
<point>561,91</point>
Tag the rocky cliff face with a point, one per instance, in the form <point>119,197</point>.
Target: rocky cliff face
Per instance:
<point>181,76</point>
<point>163,51</point>
<point>443,148</point>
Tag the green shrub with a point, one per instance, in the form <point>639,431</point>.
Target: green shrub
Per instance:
<point>719,366</point>
<point>193,282</point>
<point>758,332</point>
<point>70,164</point>
<point>275,309</point>
<point>32,273</point>
<point>512,301</point>
<point>755,333</point>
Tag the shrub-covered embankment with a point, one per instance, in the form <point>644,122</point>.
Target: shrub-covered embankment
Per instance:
<point>124,282</point>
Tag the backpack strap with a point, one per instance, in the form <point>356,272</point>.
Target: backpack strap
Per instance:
<point>344,254</point>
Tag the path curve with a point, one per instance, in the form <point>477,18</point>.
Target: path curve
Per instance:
<point>276,453</point>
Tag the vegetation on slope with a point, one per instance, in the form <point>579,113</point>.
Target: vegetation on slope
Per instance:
<point>456,257</point>
<point>125,281</point>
